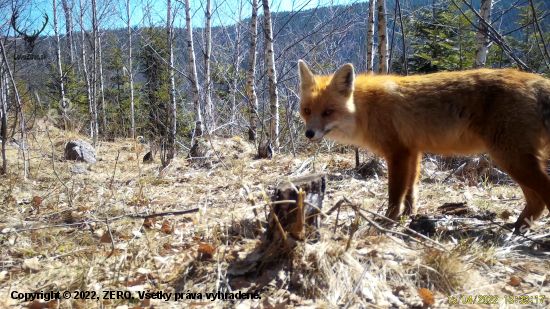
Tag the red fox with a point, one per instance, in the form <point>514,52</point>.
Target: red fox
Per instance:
<point>504,112</point>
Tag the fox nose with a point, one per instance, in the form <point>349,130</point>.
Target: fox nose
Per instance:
<point>310,134</point>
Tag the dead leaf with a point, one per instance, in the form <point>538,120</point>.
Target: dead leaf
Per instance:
<point>133,283</point>
<point>36,201</point>
<point>106,238</point>
<point>514,281</point>
<point>83,208</point>
<point>150,222</point>
<point>505,215</point>
<point>427,296</point>
<point>166,228</point>
<point>114,252</point>
<point>146,303</point>
<point>124,237</point>
<point>167,246</point>
<point>205,248</point>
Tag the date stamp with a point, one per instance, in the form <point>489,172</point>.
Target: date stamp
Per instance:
<point>494,299</point>
<point>473,299</point>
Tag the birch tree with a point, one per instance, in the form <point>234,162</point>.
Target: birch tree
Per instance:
<point>272,75</point>
<point>59,65</point>
<point>193,70</point>
<point>370,37</point>
<point>22,143</point>
<point>98,71</point>
<point>382,38</point>
<point>236,65</point>
<point>68,10</point>
<point>130,71</point>
<point>207,52</point>
<point>93,116</point>
<point>250,74</point>
<point>482,41</point>
<point>172,105</point>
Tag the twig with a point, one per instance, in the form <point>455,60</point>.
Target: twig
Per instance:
<point>114,171</point>
<point>492,34</point>
<point>277,223</point>
<point>133,216</point>
<point>398,233</point>
<point>543,50</point>
<point>455,170</point>
<point>112,241</point>
<point>353,228</point>
<point>357,285</point>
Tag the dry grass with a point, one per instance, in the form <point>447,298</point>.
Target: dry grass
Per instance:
<point>210,250</point>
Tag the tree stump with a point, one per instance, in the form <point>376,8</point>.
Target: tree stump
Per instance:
<point>290,216</point>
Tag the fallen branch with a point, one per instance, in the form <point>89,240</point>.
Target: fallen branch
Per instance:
<point>133,216</point>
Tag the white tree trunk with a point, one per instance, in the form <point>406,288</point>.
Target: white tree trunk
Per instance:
<point>370,37</point>
<point>250,75</point>
<point>482,43</point>
<point>130,71</point>
<point>93,123</point>
<point>101,87</point>
<point>23,143</point>
<point>59,65</point>
<point>193,70</point>
<point>382,38</point>
<point>207,53</point>
<point>272,74</point>
<point>172,107</point>
<point>94,71</point>
<point>236,64</point>
<point>69,27</point>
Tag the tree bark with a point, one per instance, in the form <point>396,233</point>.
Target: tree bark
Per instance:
<point>101,85</point>
<point>482,41</point>
<point>23,143</point>
<point>62,106</point>
<point>207,52</point>
<point>272,74</point>
<point>86,73</point>
<point>172,106</point>
<point>250,75</point>
<point>193,70</point>
<point>95,69</point>
<point>130,72</point>
<point>370,37</point>
<point>382,38</point>
<point>68,10</point>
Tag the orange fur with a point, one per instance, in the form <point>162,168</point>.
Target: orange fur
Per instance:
<point>505,113</point>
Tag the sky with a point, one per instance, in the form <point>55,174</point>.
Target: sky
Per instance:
<point>113,15</point>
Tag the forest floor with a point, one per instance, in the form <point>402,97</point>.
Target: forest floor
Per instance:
<point>61,231</point>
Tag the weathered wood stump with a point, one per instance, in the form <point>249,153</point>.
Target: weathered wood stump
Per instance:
<point>303,214</point>
<point>265,151</point>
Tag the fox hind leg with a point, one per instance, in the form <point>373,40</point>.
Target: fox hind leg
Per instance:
<point>526,169</point>
<point>412,191</point>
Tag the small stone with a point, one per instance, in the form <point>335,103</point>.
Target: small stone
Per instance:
<point>31,265</point>
<point>79,169</point>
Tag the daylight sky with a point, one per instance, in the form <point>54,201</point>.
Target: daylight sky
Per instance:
<point>114,15</point>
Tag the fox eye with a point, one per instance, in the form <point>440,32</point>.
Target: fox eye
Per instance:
<point>307,111</point>
<point>328,112</point>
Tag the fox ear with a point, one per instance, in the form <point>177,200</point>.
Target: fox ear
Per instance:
<point>344,79</point>
<point>306,77</point>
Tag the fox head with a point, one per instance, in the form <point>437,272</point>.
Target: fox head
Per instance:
<point>326,103</point>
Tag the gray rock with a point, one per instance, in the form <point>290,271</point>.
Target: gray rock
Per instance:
<point>79,169</point>
<point>80,150</point>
